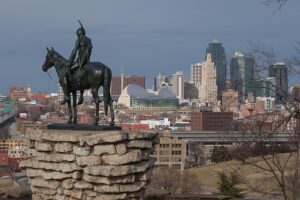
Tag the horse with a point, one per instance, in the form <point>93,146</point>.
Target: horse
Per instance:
<point>92,76</point>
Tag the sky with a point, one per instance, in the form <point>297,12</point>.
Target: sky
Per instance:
<point>145,37</point>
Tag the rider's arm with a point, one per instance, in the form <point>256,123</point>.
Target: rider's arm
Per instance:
<point>73,54</point>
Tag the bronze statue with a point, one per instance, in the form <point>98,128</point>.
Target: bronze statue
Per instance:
<point>84,48</point>
<point>81,76</point>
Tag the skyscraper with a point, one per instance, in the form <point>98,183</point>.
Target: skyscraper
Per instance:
<point>279,71</point>
<point>219,59</point>
<point>242,73</point>
<point>196,72</point>
<point>161,79</point>
<point>178,84</point>
<point>208,85</point>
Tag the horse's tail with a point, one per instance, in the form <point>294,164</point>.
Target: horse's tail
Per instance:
<point>106,89</point>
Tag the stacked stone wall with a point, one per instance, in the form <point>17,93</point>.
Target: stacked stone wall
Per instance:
<point>89,165</point>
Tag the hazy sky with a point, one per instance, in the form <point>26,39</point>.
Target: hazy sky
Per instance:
<point>146,37</point>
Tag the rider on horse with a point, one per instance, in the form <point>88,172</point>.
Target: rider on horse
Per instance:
<point>84,47</point>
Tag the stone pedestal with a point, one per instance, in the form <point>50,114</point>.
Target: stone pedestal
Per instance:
<point>89,165</point>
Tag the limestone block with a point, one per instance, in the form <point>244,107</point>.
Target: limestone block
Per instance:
<point>30,152</point>
<point>110,180</point>
<point>56,175</point>
<point>90,193</point>
<point>43,146</point>
<point>62,136</point>
<point>60,191</point>
<point>143,144</point>
<point>104,149</point>
<point>29,143</point>
<point>119,188</point>
<point>42,197</point>
<point>34,172</point>
<point>68,184</point>
<point>121,149</point>
<point>39,182</point>
<point>67,192</point>
<point>78,194</point>
<point>111,196</point>
<point>103,137</point>
<point>55,157</point>
<point>63,147</point>
<point>34,134</point>
<point>132,156</point>
<point>61,197</point>
<point>109,171</point>
<point>88,160</point>
<point>47,191</point>
<point>81,151</point>
<point>63,167</point>
<point>77,175</point>
<point>141,135</point>
<point>83,185</point>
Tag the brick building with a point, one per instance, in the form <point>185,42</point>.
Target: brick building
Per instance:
<point>117,86</point>
<point>16,93</point>
<point>211,121</point>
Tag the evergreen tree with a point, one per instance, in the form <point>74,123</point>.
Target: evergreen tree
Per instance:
<point>228,184</point>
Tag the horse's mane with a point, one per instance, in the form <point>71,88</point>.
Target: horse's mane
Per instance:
<point>61,58</point>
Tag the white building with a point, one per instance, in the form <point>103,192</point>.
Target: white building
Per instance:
<point>208,85</point>
<point>136,97</point>
<point>196,72</point>
<point>157,124</point>
<point>178,84</point>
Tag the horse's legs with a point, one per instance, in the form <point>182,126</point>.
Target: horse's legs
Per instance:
<point>97,101</point>
<point>69,108</point>
<point>112,114</point>
<point>74,94</point>
<point>80,101</point>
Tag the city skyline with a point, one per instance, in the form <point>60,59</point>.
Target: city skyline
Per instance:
<point>144,37</point>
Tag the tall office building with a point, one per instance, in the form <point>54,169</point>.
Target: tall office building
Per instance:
<point>279,71</point>
<point>208,85</point>
<point>161,80</point>
<point>177,82</point>
<point>196,72</point>
<point>264,87</point>
<point>242,73</point>
<point>219,59</point>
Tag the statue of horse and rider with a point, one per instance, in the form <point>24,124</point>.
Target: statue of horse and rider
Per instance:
<point>81,75</point>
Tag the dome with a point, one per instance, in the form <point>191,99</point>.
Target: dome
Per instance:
<point>165,92</point>
<point>137,91</point>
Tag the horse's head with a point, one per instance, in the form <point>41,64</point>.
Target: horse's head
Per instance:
<point>49,60</point>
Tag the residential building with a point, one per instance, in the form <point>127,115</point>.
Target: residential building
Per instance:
<point>280,72</point>
<point>208,85</point>
<point>264,104</point>
<point>218,57</point>
<point>211,121</point>
<point>177,82</point>
<point>242,74</point>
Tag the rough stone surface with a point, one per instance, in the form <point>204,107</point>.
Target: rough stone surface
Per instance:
<point>88,160</point>
<point>121,148</point>
<point>55,157</point>
<point>132,156</point>
<point>83,185</point>
<point>81,151</point>
<point>104,149</point>
<point>63,147</point>
<point>43,146</point>
<point>89,165</point>
<point>139,144</point>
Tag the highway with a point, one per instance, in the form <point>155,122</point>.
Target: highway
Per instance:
<point>213,137</point>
